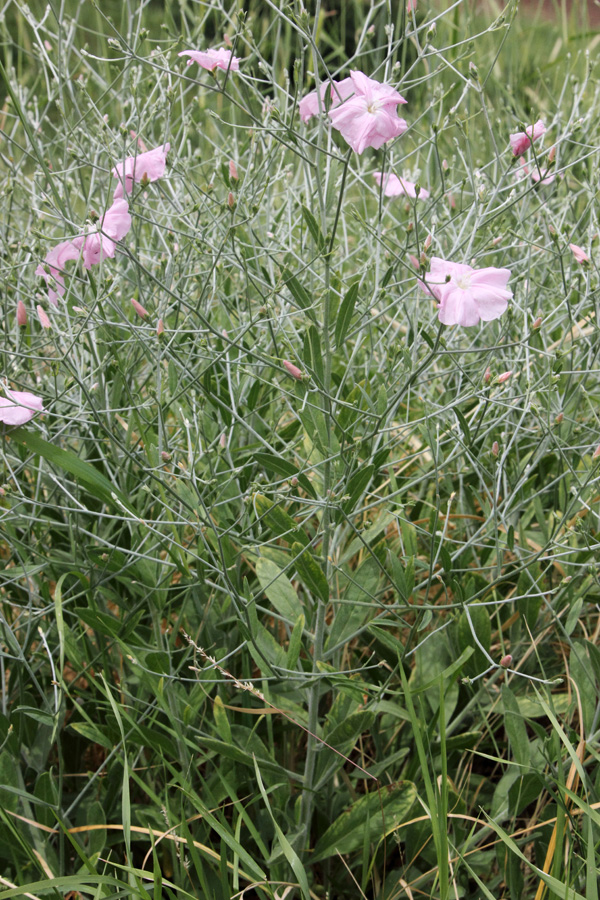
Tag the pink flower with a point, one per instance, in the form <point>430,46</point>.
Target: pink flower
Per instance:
<point>149,165</point>
<point>467,295</point>
<point>397,187</point>
<point>580,255</point>
<point>43,317</point>
<point>309,105</point>
<point>411,6</point>
<point>294,371</point>
<point>543,177</point>
<point>20,407</point>
<point>368,118</point>
<point>55,263</point>
<point>522,140</point>
<point>212,59</point>
<point>21,314</point>
<point>97,245</point>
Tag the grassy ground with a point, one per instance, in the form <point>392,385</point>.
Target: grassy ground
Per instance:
<point>251,626</point>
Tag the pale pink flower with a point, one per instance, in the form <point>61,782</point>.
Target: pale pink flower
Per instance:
<point>19,407</point>
<point>467,295</point>
<point>140,310</point>
<point>522,140</point>
<point>368,118</point>
<point>149,166</point>
<point>21,314</point>
<point>54,267</point>
<point>398,187</point>
<point>580,255</point>
<point>543,176</point>
<point>212,59</point>
<point>97,245</point>
<point>294,371</point>
<point>43,317</point>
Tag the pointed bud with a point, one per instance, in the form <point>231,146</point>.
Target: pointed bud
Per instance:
<point>427,243</point>
<point>233,172</point>
<point>230,200</point>
<point>596,452</point>
<point>506,661</point>
<point>559,418</point>
<point>44,320</point>
<point>415,262</point>
<point>223,441</point>
<point>495,448</point>
<point>21,314</point>
<point>537,323</point>
<point>160,327</point>
<point>140,310</point>
<point>294,371</point>
<point>552,155</point>
<point>504,376</point>
<point>487,374</point>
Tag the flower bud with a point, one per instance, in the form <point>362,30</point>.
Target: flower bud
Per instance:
<point>160,327</point>
<point>504,376</point>
<point>559,418</point>
<point>537,323</point>
<point>415,262</point>
<point>506,661</point>
<point>233,172</point>
<point>487,374</point>
<point>495,448</point>
<point>596,452</point>
<point>44,320</point>
<point>427,243</point>
<point>230,200</point>
<point>140,310</point>
<point>21,314</point>
<point>294,371</point>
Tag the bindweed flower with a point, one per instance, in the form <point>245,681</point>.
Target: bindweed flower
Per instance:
<point>18,407</point>
<point>212,59</point>
<point>580,255</point>
<point>393,186</point>
<point>140,310</point>
<point>148,166</point>
<point>309,106</point>
<point>522,140</point>
<point>294,371</point>
<point>97,245</point>
<point>21,314</point>
<point>368,118</point>
<point>43,317</point>
<point>467,295</point>
<point>55,263</point>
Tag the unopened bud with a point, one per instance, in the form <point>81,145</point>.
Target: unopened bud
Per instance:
<point>223,441</point>
<point>506,661</point>
<point>21,314</point>
<point>44,320</point>
<point>415,262</point>
<point>596,452</point>
<point>495,448</point>
<point>165,456</point>
<point>552,155</point>
<point>293,481</point>
<point>160,327</point>
<point>559,418</point>
<point>233,172</point>
<point>140,310</point>
<point>504,376</point>
<point>487,374</point>
<point>230,200</point>
<point>427,243</point>
<point>537,323</point>
<point>294,371</point>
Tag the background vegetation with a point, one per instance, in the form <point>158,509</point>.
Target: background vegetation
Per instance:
<point>250,626</point>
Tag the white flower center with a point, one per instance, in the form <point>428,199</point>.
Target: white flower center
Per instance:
<point>463,281</point>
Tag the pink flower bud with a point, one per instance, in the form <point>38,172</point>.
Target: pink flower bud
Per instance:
<point>160,327</point>
<point>294,371</point>
<point>21,314</point>
<point>552,154</point>
<point>223,441</point>
<point>495,448</point>
<point>415,262</point>
<point>506,661</point>
<point>48,46</point>
<point>445,165</point>
<point>504,376</point>
<point>44,320</point>
<point>233,172</point>
<point>230,200</point>
<point>580,255</point>
<point>293,481</point>
<point>487,374</point>
<point>596,452</point>
<point>427,243</point>
<point>140,310</point>
<point>537,322</point>
<point>165,456</point>
<point>559,418</point>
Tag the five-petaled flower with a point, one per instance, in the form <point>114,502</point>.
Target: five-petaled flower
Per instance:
<point>369,117</point>
<point>54,268</point>
<point>466,295</point>
<point>18,407</point>
<point>212,59</point>
<point>149,166</point>
<point>393,186</point>
<point>522,140</point>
